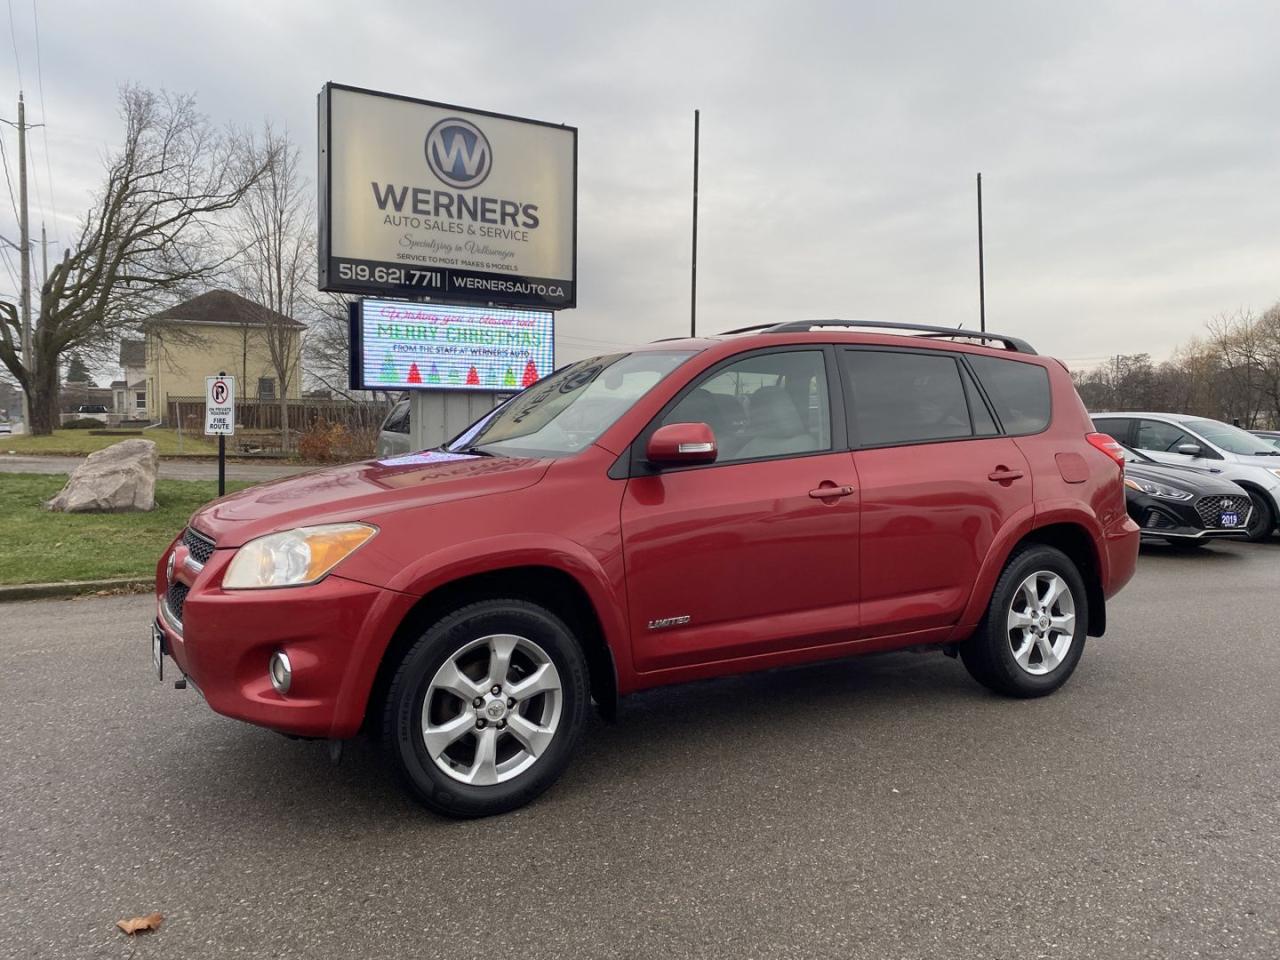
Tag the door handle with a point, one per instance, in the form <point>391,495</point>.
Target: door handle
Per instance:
<point>830,492</point>
<point>1004,475</point>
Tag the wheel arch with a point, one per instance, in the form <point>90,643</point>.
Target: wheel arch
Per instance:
<point>1077,543</point>
<point>1251,487</point>
<point>547,586</point>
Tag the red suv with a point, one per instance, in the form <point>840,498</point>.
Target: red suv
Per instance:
<point>689,509</point>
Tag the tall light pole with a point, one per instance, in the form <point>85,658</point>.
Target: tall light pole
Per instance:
<point>693,275</point>
<point>982,282</point>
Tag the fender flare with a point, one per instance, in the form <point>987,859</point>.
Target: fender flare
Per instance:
<point>1023,524</point>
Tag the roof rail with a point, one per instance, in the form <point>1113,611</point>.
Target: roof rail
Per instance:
<point>1015,344</point>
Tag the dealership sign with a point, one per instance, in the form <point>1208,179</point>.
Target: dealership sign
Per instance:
<point>424,346</point>
<point>426,200</point>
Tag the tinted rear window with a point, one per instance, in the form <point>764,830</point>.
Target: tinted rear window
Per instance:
<point>906,397</point>
<point>1019,391</point>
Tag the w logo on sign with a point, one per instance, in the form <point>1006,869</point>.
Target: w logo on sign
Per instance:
<point>458,153</point>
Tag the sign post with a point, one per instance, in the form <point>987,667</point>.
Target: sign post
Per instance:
<point>220,418</point>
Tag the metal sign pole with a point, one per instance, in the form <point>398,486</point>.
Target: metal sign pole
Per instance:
<point>222,456</point>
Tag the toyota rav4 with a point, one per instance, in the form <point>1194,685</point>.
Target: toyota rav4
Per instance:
<point>689,509</point>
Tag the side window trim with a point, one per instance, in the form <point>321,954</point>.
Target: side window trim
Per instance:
<point>855,442</point>
<point>632,463</point>
<point>982,394</point>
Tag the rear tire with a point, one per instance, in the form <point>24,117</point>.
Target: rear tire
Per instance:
<point>486,708</point>
<point>1263,519</point>
<point>1033,633</point>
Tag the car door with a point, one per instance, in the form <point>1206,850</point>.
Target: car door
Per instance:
<point>756,553</point>
<point>938,483</point>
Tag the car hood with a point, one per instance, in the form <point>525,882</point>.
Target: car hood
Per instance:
<point>362,491</point>
<point>1267,461</point>
<point>1195,479</point>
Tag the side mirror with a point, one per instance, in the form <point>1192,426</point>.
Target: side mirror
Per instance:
<point>1189,449</point>
<point>682,443</point>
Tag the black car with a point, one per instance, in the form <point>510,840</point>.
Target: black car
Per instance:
<point>1186,506</point>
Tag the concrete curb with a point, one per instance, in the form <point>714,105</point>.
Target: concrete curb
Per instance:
<point>70,588</point>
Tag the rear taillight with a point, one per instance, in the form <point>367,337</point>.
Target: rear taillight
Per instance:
<point>1108,446</point>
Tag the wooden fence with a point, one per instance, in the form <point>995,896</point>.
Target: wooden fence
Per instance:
<point>265,414</point>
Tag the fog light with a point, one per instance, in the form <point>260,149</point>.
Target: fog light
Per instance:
<point>281,672</point>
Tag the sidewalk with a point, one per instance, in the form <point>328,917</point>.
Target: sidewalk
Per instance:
<point>169,469</point>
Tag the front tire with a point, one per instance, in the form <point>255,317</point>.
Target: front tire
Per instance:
<point>1263,519</point>
<point>1033,633</point>
<point>486,708</point>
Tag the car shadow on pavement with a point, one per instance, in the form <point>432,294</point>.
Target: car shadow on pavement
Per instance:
<point>1203,555</point>
<point>278,783</point>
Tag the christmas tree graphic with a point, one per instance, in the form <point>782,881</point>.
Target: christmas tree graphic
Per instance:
<point>454,376</point>
<point>433,375</point>
<point>510,379</point>
<point>473,377</point>
<point>530,374</point>
<point>389,373</point>
<point>414,375</point>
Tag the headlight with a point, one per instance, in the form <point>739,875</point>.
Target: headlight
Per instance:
<point>1274,470</point>
<point>1153,489</point>
<point>294,557</point>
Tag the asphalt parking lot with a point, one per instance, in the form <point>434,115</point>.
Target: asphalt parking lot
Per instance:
<point>882,808</point>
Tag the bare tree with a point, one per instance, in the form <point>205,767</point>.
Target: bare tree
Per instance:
<point>151,235</point>
<point>274,227</point>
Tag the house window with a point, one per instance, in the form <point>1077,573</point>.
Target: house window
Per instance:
<point>266,388</point>
<point>140,399</point>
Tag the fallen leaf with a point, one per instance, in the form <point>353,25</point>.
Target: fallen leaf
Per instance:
<point>134,925</point>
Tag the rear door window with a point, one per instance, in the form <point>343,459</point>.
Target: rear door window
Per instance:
<point>905,397</point>
<point>1117,428</point>
<point>1019,391</point>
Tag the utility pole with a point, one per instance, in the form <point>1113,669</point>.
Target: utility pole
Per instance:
<point>44,257</point>
<point>982,281</point>
<point>24,240</point>
<point>693,276</point>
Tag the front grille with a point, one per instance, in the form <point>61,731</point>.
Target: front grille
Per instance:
<point>1212,508</point>
<point>198,545</point>
<point>175,598</point>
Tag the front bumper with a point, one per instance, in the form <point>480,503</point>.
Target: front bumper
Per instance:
<point>334,633</point>
<point>1197,519</point>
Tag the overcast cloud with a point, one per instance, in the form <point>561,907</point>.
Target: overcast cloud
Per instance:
<point>1130,152</point>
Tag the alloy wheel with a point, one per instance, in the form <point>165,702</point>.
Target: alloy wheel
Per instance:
<point>492,709</point>
<point>1041,622</point>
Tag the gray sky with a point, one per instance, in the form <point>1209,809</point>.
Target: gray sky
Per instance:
<point>1130,151</point>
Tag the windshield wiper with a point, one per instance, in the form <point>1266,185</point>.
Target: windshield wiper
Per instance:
<point>474,451</point>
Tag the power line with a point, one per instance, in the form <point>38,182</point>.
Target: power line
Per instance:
<point>4,158</point>
<point>44,113</point>
<point>13,38</point>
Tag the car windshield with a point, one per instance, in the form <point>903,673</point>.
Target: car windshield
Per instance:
<point>566,411</point>
<point>1232,439</point>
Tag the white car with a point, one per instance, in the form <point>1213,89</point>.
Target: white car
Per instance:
<point>1220,448</point>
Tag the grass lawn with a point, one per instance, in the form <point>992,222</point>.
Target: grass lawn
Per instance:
<point>79,443</point>
<point>38,546</point>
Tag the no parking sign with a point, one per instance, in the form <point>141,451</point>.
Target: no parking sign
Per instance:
<point>220,406</point>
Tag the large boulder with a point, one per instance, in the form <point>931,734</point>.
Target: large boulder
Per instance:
<point>119,478</point>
